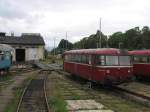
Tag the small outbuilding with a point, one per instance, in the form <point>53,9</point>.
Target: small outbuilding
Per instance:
<point>28,46</point>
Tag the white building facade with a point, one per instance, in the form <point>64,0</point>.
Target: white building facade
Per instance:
<point>28,47</point>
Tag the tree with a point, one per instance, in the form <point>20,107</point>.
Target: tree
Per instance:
<point>146,37</point>
<point>91,42</point>
<point>116,39</point>
<point>133,39</point>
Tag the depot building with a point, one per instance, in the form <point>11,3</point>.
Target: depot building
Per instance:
<point>27,47</point>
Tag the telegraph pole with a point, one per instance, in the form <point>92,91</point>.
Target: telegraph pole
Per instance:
<point>66,40</point>
<point>100,44</point>
<point>54,46</point>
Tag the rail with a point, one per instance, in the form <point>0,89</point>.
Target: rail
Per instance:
<point>34,92</point>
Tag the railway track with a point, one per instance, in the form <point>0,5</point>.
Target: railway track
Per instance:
<point>34,98</point>
<point>72,89</point>
<point>133,91</point>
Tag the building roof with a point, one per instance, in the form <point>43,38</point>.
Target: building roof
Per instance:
<point>22,40</point>
<point>105,51</point>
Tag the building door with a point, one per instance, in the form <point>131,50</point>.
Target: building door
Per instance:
<point>20,55</point>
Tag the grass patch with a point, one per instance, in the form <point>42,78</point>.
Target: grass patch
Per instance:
<point>58,104</point>
<point>75,96</point>
<point>46,61</point>
<point>6,77</point>
<point>12,105</point>
<point>18,91</point>
<point>56,100</point>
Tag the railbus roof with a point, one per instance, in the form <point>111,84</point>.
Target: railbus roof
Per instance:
<point>105,51</point>
<point>140,52</point>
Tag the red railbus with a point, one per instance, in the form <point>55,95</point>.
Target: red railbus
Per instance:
<point>141,62</point>
<point>106,65</point>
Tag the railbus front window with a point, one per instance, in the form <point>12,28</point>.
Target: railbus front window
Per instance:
<point>100,60</point>
<point>124,60</point>
<point>112,60</point>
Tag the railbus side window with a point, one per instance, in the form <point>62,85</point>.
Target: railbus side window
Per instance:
<point>83,59</point>
<point>90,59</point>
<point>71,58</point>
<point>74,58</point>
<point>144,59</point>
<point>78,58</point>
<point>87,59</point>
<point>136,59</point>
<point>148,59</point>
<point>140,59</point>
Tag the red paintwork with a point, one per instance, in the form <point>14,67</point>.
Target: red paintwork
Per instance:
<point>98,73</point>
<point>141,69</point>
<point>140,52</point>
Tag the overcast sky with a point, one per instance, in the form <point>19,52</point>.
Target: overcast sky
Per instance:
<point>80,18</point>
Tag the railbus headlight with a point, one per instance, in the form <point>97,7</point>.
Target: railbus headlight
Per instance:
<point>107,71</point>
<point>129,71</point>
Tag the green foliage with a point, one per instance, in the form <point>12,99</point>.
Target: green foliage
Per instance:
<point>12,105</point>
<point>134,38</point>
<point>115,39</point>
<point>62,46</point>
<point>6,77</point>
<point>91,42</point>
<point>58,104</point>
<point>65,44</point>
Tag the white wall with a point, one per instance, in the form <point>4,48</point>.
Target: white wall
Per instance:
<point>31,53</point>
<point>34,53</point>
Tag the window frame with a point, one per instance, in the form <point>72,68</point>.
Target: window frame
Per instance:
<point>105,63</point>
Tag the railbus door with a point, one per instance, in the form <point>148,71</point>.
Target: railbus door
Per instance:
<point>90,67</point>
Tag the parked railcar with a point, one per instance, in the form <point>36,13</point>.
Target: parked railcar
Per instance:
<point>141,62</point>
<point>105,66</point>
<point>5,57</point>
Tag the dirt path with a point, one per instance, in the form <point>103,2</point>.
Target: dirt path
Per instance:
<point>6,93</point>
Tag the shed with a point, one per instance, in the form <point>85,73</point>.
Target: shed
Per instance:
<point>28,46</point>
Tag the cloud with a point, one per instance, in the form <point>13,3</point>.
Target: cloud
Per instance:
<point>80,18</point>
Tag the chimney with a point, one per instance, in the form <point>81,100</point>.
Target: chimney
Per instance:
<point>2,34</point>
